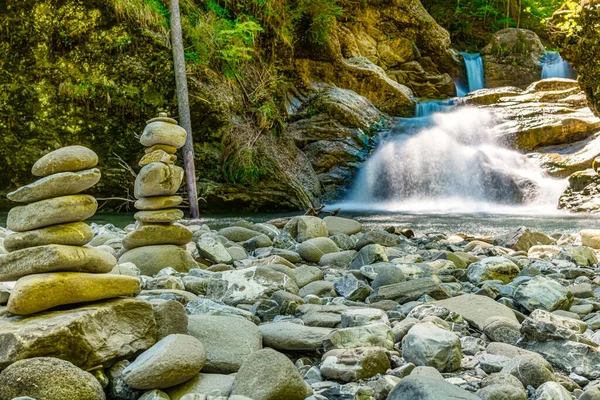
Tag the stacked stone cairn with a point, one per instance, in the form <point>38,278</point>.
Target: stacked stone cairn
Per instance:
<point>47,255</point>
<point>157,242</point>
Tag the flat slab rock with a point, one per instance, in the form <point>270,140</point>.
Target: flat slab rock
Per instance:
<point>87,336</point>
<point>477,309</point>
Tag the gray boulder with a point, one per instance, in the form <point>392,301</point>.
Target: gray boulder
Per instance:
<point>289,336</point>
<point>543,293</point>
<point>350,365</point>
<point>530,370</point>
<point>426,388</point>
<point>426,344</point>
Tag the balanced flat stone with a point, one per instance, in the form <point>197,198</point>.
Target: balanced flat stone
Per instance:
<point>157,156</point>
<point>35,293</point>
<point>148,235</point>
<point>164,147</point>
<point>157,179</point>
<point>87,336</point>
<point>54,257</point>
<point>162,132</point>
<point>151,259</point>
<point>159,216</point>
<point>70,158</point>
<point>59,210</point>
<point>157,202</point>
<point>73,234</point>
<point>60,184</point>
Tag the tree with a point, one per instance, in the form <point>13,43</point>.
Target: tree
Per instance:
<point>183,104</point>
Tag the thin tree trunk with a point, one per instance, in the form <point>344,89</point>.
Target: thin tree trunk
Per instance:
<point>184,107</point>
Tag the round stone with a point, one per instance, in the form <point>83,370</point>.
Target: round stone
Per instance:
<point>173,360</point>
<point>314,249</point>
<point>60,184</point>
<point>54,257</point>
<point>151,259</point>
<point>59,210</point>
<point>157,179</point>
<point>148,235</point>
<point>157,202</point>
<point>35,293</point>
<point>74,234</point>
<point>49,379</point>
<point>162,132</point>
<point>159,216</point>
<point>71,158</point>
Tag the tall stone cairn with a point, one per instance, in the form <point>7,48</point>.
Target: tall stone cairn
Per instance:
<point>47,253</point>
<point>158,242</point>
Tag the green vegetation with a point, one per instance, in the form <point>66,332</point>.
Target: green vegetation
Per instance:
<point>472,22</point>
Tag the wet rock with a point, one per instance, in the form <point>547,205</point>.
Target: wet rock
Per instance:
<point>49,379</point>
<point>351,288</point>
<point>350,365</point>
<point>269,375</point>
<point>227,341</point>
<point>58,210</point>
<point>171,361</point>
<point>428,345</point>
<point>65,159</point>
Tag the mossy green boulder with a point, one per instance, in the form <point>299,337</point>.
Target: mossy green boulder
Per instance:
<point>52,258</point>
<point>493,268</point>
<point>60,184</point>
<point>35,293</point>
<point>65,159</point>
<point>58,210</point>
<point>74,234</point>
<point>154,234</point>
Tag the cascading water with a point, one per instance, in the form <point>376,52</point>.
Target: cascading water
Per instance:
<point>454,165</point>
<point>474,66</point>
<point>429,107</point>
<point>553,66</point>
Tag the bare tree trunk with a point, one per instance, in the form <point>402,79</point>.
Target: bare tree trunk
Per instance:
<point>184,107</point>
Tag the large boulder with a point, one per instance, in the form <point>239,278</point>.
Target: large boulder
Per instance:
<point>49,379</point>
<point>543,293</point>
<point>337,225</point>
<point>477,309</point>
<point>493,268</point>
<point>227,341</point>
<point>354,364</point>
<point>522,239</point>
<point>530,370</point>
<point>86,336</point>
<point>306,227</point>
<point>512,58</point>
<point>269,375</point>
<point>287,336</point>
<point>428,388</point>
<point>314,249</point>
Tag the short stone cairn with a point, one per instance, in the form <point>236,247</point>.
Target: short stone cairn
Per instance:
<point>47,253</point>
<point>158,242</point>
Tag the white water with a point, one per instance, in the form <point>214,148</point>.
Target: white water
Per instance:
<point>474,66</point>
<point>451,162</point>
<point>553,66</point>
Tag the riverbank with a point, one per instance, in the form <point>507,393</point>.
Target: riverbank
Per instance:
<point>304,307</point>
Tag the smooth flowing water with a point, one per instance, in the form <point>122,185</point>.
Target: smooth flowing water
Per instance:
<point>553,66</point>
<point>451,162</point>
<point>474,66</point>
<point>426,108</point>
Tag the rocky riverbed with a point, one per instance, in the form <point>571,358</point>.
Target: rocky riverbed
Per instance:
<point>321,308</point>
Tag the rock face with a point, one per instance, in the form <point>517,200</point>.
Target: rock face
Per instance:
<point>48,378</point>
<point>512,58</point>
<point>87,336</point>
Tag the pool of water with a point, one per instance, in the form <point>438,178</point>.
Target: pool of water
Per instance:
<point>473,223</point>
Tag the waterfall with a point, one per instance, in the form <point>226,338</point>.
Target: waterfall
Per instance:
<point>456,163</point>
<point>426,108</point>
<point>474,66</point>
<point>553,66</point>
